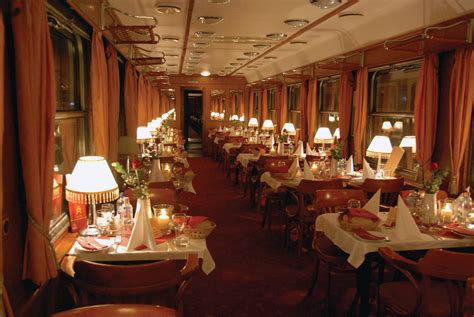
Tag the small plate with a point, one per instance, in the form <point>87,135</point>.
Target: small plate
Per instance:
<point>378,234</point>
<point>107,244</point>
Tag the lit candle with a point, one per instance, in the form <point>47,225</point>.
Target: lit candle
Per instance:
<point>446,213</point>
<point>163,220</point>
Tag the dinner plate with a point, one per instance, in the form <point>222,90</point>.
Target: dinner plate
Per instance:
<point>377,234</point>
<point>462,231</point>
<point>107,244</point>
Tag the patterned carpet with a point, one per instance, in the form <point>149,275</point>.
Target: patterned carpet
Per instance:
<point>255,275</point>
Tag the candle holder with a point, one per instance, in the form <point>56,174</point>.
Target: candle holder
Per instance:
<point>446,210</point>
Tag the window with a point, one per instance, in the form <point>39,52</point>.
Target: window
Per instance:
<point>392,96</point>
<point>256,102</point>
<point>294,111</point>
<point>271,105</point>
<point>329,103</point>
<point>71,59</point>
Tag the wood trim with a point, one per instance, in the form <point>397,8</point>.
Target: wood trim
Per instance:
<point>339,9</point>
<point>186,34</point>
<point>64,244</point>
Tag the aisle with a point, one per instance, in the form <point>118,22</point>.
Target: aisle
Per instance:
<point>254,275</point>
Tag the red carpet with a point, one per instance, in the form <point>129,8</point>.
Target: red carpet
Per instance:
<point>254,275</point>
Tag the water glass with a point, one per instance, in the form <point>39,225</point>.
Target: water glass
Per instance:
<point>180,221</point>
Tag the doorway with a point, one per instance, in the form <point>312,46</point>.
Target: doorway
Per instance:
<point>193,122</point>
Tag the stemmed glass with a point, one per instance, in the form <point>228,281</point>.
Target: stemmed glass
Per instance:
<point>180,221</point>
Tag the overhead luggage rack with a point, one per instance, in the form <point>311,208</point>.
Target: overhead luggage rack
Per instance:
<point>343,63</point>
<point>130,34</point>
<point>143,57</point>
<point>435,39</point>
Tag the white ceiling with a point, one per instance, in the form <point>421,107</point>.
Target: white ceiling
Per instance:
<point>254,19</point>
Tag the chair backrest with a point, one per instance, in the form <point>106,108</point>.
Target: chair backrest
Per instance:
<point>160,283</point>
<point>390,187</point>
<point>119,310</point>
<point>306,189</point>
<point>329,200</point>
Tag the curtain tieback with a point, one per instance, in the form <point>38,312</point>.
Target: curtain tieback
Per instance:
<point>45,235</point>
<point>454,186</point>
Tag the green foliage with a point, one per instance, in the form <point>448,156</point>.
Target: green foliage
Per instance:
<point>336,151</point>
<point>437,175</point>
<point>136,178</point>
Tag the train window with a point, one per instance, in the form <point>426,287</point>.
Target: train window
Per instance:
<point>392,97</point>
<point>256,103</point>
<point>272,115</point>
<point>294,107</point>
<point>329,103</point>
<point>71,60</point>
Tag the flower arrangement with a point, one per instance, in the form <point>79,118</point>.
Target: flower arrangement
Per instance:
<point>436,179</point>
<point>336,150</point>
<point>136,178</point>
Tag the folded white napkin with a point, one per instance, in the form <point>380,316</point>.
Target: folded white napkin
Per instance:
<point>142,232</point>
<point>294,168</point>
<point>373,204</point>
<point>188,182</point>
<point>367,171</point>
<point>299,149</point>
<point>156,173</point>
<point>307,174</point>
<point>350,165</point>
<point>405,227</point>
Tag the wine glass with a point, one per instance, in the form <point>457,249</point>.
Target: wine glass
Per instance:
<point>180,221</point>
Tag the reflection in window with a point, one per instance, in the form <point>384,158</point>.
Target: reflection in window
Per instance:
<point>256,103</point>
<point>294,107</point>
<point>392,97</point>
<point>271,105</point>
<point>328,103</point>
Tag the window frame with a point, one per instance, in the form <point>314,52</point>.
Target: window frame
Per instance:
<point>293,105</point>
<point>321,110</point>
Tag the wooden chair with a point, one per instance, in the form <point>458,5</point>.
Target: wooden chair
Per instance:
<point>161,283</point>
<point>439,293</point>
<point>300,216</point>
<point>390,189</point>
<point>240,172</point>
<point>327,253</point>
<point>119,310</point>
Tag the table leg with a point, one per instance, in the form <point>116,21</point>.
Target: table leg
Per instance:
<point>364,274</point>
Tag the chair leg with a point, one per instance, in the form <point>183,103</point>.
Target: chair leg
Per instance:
<point>314,279</point>
<point>328,293</point>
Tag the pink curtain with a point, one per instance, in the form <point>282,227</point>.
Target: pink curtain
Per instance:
<point>131,100</point>
<point>346,87</point>
<point>241,105</point>
<point>142,101</point>
<point>461,93</point>
<point>264,105</point>
<point>251,96</point>
<point>312,109</point>
<point>156,103</point>
<point>283,105</point>
<point>149,101</point>
<point>114,101</point>
<point>426,110</point>
<point>2,105</point>
<point>304,112</point>
<point>279,125</point>
<point>360,113</point>
<point>36,106</point>
<point>99,97</point>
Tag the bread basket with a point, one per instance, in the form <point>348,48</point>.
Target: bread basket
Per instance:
<point>201,231</point>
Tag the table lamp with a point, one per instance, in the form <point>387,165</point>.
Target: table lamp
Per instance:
<point>387,126</point>
<point>380,147</point>
<point>91,182</point>
<point>253,123</point>
<point>143,135</point>
<point>267,125</point>
<point>290,128</point>
<point>323,136</point>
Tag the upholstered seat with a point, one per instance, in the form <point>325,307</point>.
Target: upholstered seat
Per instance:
<point>119,310</point>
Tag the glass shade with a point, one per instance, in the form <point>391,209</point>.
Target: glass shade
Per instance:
<point>267,125</point>
<point>253,123</point>
<point>379,147</point>
<point>234,117</point>
<point>143,133</point>
<point>386,126</point>
<point>409,141</point>
<point>242,119</point>
<point>323,135</point>
<point>290,128</point>
<point>91,181</point>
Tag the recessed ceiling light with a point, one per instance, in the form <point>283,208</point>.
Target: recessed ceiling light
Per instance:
<point>261,46</point>
<point>239,73</point>
<point>170,39</point>
<point>204,34</point>
<point>192,63</point>
<point>210,20</point>
<point>350,14</point>
<point>194,58</point>
<point>200,44</point>
<point>251,54</point>
<point>276,36</point>
<point>205,73</point>
<point>296,23</point>
<point>325,4</point>
<point>251,66</point>
<point>243,59</point>
<point>197,53</point>
<point>235,64</point>
<point>219,1</point>
<point>172,55</point>
<point>172,65</point>
<point>269,57</point>
<point>229,67</point>
<point>167,9</point>
<point>298,42</point>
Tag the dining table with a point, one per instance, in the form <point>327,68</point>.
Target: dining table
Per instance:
<point>363,251</point>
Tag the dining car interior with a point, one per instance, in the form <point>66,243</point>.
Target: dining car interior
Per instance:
<point>211,158</point>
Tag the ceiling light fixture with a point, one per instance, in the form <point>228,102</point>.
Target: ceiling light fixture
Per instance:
<point>205,73</point>
<point>210,20</point>
<point>200,44</point>
<point>239,73</point>
<point>172,55</point>
<point>269,57</point>
<point>219,1</point>
<point>170,39</point>
<point>261,46</point>
<point>235,64</point>
<point>204,34</point>
<point>172,65</point>
<point>298,42</point>
<point>243,59</point>
<point>196,53</point>
<point>167,9</point>
<point>325,4</point>
<point>251,54</point>
<point>296,23</point>
<point>350,14</point>
<point>252,67</point>
<point>276,36</point>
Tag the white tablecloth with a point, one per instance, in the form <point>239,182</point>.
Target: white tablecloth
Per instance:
<point>245,158</point>
<point>357,249</point>
<point>166,250</point>
<point>274,183</point>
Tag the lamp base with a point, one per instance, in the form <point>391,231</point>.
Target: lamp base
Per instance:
<point>91,230</point>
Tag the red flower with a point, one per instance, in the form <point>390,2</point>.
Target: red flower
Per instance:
<point>157,140</point>
<point>136,164</point>
<point>434,166</point>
